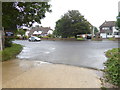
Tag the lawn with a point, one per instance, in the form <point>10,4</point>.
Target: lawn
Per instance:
<point>11,52</point>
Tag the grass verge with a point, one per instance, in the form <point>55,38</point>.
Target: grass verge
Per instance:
<point>112,70</point>
<point>96,39</point>
<point>112,39</point>
<point>80,39</point>
<point>11,52</point>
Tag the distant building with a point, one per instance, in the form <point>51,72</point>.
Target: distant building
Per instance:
<point>39,31</point>
<point>108,30</point>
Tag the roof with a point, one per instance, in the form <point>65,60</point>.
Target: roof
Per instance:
<point>43,29</point>
<point>108,24</point>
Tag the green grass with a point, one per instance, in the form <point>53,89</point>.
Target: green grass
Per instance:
<point>80,39</point>
<point>112,70</point>
<point>96,39</point>
<point>11,52</point>
<point>112,39</point>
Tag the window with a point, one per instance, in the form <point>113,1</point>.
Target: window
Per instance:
<point>105,28</point>
<point>116,33</point>
<point>109,33</point>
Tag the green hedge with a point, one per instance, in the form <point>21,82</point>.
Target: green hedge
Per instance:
<point>112,70</point>
<point>11,52</point>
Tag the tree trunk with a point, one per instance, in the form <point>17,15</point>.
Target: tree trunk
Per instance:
<point>1,39</point>
<point>76,36</point>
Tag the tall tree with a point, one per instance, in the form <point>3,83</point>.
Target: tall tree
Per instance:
<point>17,14</point>
<point>95,30</point>
<point>72,23</point>
<point>118,21</point>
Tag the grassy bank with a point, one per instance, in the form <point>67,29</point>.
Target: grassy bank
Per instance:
<point>11,52</point>
<point>112,70</point>
<point>96,39</point>
<point>80,39</point>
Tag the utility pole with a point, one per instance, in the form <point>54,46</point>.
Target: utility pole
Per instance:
<point>93,32</point>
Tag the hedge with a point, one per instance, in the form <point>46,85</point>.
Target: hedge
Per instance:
<point>112,70</point>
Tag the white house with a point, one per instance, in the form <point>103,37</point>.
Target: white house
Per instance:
<point>108,30</point>
<point>39,31</point>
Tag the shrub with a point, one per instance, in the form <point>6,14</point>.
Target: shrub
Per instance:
<point>51,36</point>
<point>39,36</point>
<point>11,52</point>
<point>45,37</point>
<point>112,70</point>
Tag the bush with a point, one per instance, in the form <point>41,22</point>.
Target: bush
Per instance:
<point>45,37</point>
<point>8,42</point>
<point>39,36</point>
<point>51,36</point>
<point>112,69</point>
<point>11,52</point>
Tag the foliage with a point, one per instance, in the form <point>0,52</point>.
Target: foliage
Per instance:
<point>80,39</point>
<point>45,37</point>
<point>113,66</point>
<point>50,36</point>
<point>112,39</point>
<point>39,36</point>
<point>96,39</point>
<point>95,30</point>
<point>8,42</point>
<point>17,14</point>
<point>72,23</point>
<point>23,13</point>
<point>118,21</point>
<point>21,32</point>
<point>11,52</point>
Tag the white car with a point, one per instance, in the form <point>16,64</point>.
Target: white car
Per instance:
<point>34,38</point>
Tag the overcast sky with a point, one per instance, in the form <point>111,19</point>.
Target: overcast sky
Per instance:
<point>95,11</point>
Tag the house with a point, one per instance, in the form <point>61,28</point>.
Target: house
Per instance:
<point>39,31</point>
<point>108,30</point>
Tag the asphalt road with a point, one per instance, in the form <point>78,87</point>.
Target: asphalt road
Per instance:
<point>89,54</point>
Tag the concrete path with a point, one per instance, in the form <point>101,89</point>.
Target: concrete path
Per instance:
<point>29,74</point>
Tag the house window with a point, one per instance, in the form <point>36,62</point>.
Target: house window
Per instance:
<point>105,28</point>
<point>109,33</point>
<point>116,33</point>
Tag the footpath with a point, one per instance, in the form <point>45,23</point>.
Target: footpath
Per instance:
<point>35,74</point>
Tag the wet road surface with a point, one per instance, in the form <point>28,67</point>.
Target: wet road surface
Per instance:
<point>89,54</point>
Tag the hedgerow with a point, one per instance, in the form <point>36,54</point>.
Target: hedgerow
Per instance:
<point>112,70</point>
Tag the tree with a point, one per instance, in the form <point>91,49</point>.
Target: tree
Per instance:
<point>95,30</point>
<point>118,21</point>
<point>17,14</point>
<point>72,23</point>
<point>21,32</point>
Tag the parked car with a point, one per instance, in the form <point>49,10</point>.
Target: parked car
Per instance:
<point>89,36</point>
<point>34,38</point>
